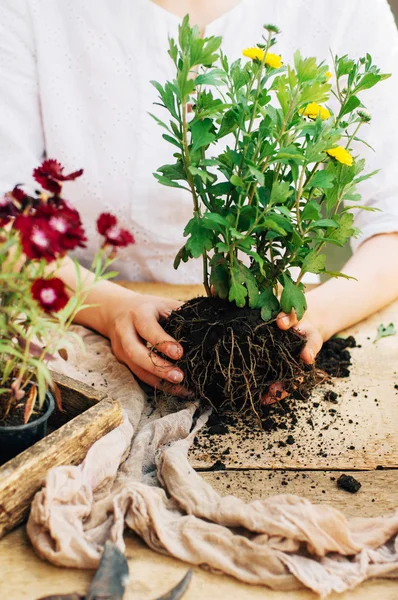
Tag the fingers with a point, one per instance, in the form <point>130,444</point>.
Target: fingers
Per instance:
<point>305,327</point>
<point>147,326</point>
<point>276,393</point>
<point>285,321</point>
<point>313,345</point>
<point>128,347</point>
<point>161,384</point>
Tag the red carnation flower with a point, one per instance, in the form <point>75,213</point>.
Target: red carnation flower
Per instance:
<point>50,173</point>
<point>65,222</point>
<point>50,294</point>
<point>38,239</point>
<point>114,235</point>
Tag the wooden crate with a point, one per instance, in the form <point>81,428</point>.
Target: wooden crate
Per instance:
<point>87,416</point>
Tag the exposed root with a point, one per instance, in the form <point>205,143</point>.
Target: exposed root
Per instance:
<point>231,356</point>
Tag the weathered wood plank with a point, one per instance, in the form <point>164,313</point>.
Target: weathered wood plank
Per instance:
<point>22,476</point>
<point>150,576</point>
<point>377,496</point>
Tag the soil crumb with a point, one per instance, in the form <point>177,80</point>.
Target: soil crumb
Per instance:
<point>348,483</point>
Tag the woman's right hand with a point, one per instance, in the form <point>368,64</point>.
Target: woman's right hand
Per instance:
<point>132,325</point>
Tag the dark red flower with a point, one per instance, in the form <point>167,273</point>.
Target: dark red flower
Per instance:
<point>114,235</point>
<point>50,174</point>
<point>38,238</point>
<point>50,294</point>
<point>65,221</point>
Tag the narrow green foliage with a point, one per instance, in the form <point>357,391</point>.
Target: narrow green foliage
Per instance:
<point>270,196</point>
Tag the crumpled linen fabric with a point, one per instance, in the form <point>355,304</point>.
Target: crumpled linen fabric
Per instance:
<point>139,476</point>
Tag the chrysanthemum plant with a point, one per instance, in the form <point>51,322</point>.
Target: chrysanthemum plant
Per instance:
<point>36,308</point>
<point>270,165</point>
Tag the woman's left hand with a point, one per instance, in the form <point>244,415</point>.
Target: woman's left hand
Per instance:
<point>305,327</point>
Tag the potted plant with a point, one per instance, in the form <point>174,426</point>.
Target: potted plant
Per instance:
<point>36,310</point>
<point>272,174</point>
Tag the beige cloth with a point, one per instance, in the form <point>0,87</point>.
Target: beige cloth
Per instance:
<point>139,476</point>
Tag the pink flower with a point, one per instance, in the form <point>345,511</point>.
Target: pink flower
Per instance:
<point>114,235</point>
<point>50,174</point>
<point>38,239</point>
<point>50,294</point>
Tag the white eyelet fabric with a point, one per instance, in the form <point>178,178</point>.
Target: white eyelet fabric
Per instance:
<point>75,85</point>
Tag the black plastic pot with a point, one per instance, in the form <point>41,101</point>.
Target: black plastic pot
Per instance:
<point>17,438</point>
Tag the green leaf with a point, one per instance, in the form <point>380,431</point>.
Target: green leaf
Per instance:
<point>246,218</point>
<point>237,291</point>
<point>204,175</point>
<point>385,332</point>
<point>201,135</point>
<point>314,263</point>
<point>311,212</point>
<point>219,276</point>
<point>257,175</point>
<point>280,192</point>
<point>237,181</point>
<point>268,303</point>
<point>368,81</point>
<point>172,140</point>
<point>243,284</point>
<point>293,297</point>
<point>201,238</point>
<point>168,182</point>
<point>352,104</point>
<point>324,223</point>
<point>323,180</point>
<point>214,77</point>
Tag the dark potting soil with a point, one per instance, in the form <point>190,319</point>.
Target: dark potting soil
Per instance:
<point>16,416</point>
<point>231,356</point>
<point>348,483</point>
<point>335,358</point>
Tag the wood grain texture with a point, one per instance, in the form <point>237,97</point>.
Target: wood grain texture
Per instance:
<point>151,575</point>
<point>21,477</point>
<point>377,496</point>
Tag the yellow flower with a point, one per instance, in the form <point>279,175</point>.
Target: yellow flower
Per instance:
<point>271,60</point>
<point>328,75</point>
<point>341,155</point>
<point>313,109</point>
<point>254,53</point>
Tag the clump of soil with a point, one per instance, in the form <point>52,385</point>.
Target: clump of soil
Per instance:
<point>334,358</point>
<point>231,356</point>
<point>348,483</point>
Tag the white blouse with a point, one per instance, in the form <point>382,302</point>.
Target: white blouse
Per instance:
<point>75,85</point>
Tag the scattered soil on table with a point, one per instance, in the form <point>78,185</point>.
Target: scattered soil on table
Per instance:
<point>284,422</point>
<point>348,483</point>
<point>231,356</point>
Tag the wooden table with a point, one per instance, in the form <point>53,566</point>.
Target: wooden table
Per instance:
<point>369,399</point>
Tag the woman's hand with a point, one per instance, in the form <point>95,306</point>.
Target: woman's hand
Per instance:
<point>132,326</point>
<point>315,339</point>
<point>307,328</point>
